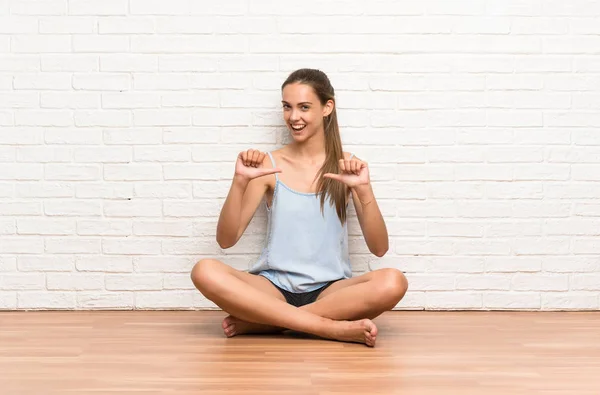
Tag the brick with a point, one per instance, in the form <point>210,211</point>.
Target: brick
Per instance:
<point>163,265</point>
<point>60,172</point>
<point>455,265</point>
<point>20,208</point>
<point>100,44</point>
<point>187,43</point>
<point>40,43</point>
<point>103,155</point>
<point>515,228</point>
<point>107,118</point>
<point>165,190</point>
<point>126,25</point>
<point>537,282</point>
<point>168,117</point>
<point>102,81</point>
<point>21,245</point>
<point>178,281</point>
<point>74,100</point>
<point>128,63</point>
<point>570,300</point>
<point>137,282</point>
<point>103,8</point>
<point>103,228</point>
<point>195,99</point>
<point>22,282</point>
<point>200,171</point>
<point>19,100</point>
<point>541,246</point>
<point>54,300</point>
<point>586,246</point>
<point>75,245</point>
<point>67,25</point>
<point>38,7</point>
<point>167,229</point>
<point>131,246</point>
<point>162,154</point>
<point>164,299</point>
<point>43,118</point>
<point>133,136</point>
<point>22,63</point>
<point>75,282</point>
<point>483,282</point>
<point>104,264</point>
<point>42,81</point>
<point>183,135</point>
<point>8,300</point>
<point>451,300</point>
<point>7,227</point>
<point>18,25</point>
<point>512,300</point>
<point>133,208</point>
<point>105,300</point>
<point>46,264</point>
<point>24,172</point>
<point>44,154</point>
<point>69,62</point>
<point>513,264</point>
<point>132,172</point>
<point>55,227</point>
<point>106,190</point>
<point>431,282</point>
<point>197,208</point>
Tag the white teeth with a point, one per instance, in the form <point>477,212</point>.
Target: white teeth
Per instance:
<point>298,127</point>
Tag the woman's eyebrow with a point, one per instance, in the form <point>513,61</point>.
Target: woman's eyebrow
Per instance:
<point>304,102</point>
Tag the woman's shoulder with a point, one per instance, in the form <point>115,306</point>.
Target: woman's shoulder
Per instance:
<point>278,151</point>
<point>277,154</point>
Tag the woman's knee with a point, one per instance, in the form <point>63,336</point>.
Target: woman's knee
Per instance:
<point>391,286</point>
<point>205,275</point>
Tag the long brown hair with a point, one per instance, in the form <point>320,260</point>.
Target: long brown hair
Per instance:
<point>326,187</point>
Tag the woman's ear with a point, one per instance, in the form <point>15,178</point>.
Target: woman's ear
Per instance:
<point>328,108</point>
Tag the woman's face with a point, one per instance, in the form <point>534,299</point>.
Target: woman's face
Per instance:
<point>303,112</point>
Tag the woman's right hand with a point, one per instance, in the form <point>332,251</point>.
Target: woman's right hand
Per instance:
<point>249,165</point>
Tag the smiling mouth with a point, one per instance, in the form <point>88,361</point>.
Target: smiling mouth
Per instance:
<point>298,128</point>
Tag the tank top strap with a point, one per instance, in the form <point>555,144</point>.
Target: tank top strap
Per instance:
<point>351,155</point>
<point>273,163</point>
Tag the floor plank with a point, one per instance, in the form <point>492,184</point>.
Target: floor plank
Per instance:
<point>185,352</point>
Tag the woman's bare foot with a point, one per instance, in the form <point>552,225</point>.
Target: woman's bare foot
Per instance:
<point>361,331</point>
<point>233,326</point>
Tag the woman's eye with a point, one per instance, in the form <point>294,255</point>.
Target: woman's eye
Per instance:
<point>305,108</point>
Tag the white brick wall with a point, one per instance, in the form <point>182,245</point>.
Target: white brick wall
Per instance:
<point>120,121</point>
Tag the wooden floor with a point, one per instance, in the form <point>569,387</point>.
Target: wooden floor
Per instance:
<point>176,353</point>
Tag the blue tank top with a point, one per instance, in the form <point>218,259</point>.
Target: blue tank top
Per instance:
<point>304,248</point>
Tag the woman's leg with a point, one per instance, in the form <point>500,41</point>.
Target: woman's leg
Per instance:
<point>220,284</point>
<point>233,326</point>
<point>365,296</point>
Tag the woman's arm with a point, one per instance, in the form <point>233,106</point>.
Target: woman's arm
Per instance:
<point>370,219</point>
<point>355,174</point>
<point>247,190</point>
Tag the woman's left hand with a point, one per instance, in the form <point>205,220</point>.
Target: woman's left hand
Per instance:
<point>353,173</point>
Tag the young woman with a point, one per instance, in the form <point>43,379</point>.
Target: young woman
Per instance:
<point>303,280</point>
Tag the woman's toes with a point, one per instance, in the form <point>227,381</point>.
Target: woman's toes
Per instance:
<point>230,331</point>
<point>373,331</point>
